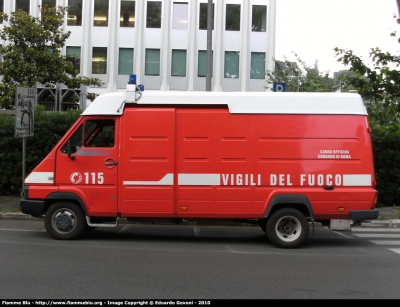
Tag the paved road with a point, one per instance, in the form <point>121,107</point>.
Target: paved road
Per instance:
<point>195,262</point>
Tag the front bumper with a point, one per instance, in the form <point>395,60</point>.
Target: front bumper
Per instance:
<point>32,207</point>
<point>362,215</point>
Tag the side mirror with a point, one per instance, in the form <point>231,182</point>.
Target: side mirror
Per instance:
<point>69,151</point>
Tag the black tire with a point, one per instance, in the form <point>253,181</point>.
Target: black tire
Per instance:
<point>64,221</point>
<point>287,228</point>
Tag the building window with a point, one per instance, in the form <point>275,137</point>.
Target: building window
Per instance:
<point>99,61</point>
<point>153,19</point>
<point>22,5</point>
<point>202,63</point>
<point>257,66</point>
<point>232,22</point>
<point>152,62</point>
<point>100,18</point>
<point>127,17</point>
<point>178,63</point>
<point>125,61</point>
<point>74,13</point>
<point>49,3</point>
<point>259,18</point>
<point>180,16</point>
<point>203,16</point>
<point>231,69</point>
<point>1,10</point>
<point>74,55</point>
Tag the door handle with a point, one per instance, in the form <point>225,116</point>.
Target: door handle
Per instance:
<point>111,163</point>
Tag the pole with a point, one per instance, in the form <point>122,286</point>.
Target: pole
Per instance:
<point>23,166</point>
<point>209,45</point>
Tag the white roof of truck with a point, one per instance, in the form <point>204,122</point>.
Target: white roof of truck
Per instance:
<point>238,102</point>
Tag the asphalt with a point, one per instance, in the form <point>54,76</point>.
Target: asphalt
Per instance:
<point>388,216</point>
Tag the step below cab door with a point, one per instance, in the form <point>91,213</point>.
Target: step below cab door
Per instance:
<point>87,164</point>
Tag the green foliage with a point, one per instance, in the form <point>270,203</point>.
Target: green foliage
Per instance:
<point>379,83</point>
<point>299,77</point>
<point>33,53</point>
<point>379,87</point>
<point>49,128</point>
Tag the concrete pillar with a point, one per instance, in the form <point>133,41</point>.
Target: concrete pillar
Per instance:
<point>86,61</point>
<point>140,23</point>
<point>113,46</point>
<point>271,36</point>
<point>244,53</point>
<point>164,57</point>
<point>218,50</point>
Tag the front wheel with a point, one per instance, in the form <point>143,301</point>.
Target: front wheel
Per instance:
<point>64,221</point>
<point>287,228</point>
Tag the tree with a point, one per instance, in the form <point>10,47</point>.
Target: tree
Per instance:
<point>379,84</point>
<point>32,53</point>
<point>299,77</point>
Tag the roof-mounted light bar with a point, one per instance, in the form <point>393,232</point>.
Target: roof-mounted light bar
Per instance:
<point>133,90</point>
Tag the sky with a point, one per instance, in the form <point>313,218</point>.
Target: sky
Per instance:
<point>313,28</point>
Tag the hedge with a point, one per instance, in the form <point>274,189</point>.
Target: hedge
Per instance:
<point>49,128</point>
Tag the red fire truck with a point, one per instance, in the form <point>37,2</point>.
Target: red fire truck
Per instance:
<point>282,160</point>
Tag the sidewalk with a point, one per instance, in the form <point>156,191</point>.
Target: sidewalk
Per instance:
<point>388,216</point>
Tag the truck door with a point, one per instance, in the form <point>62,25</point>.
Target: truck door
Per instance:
<point>87,165</point>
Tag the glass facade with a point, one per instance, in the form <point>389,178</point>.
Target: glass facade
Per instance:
<point>259,18</point>
<point>100,17</point>
<point>74,13</point>
<point>152,62</point>
<point>153,19</point>
<point>1,10</point>
<point>22,5</point>
<point>49,3</point>
<point>178,63</point>
<point>73,53</point>
<point>127,15</point>
<point>232,18</point>
<point>125,61</point>
<point>231,68</point>
<point>257,66</point>
<point>203,16</point>
<point>180,16</point>
<point>202,63</point>
<point>99,60</point>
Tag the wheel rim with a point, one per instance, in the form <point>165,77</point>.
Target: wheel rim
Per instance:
<point>63,221</point>
<point>288,228</point>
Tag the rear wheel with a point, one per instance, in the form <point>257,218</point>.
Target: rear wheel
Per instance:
<point>288,228</point>
<point>64,221</point>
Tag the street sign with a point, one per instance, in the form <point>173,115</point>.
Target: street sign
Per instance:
<point>24,111</point>
<point>279,87</point>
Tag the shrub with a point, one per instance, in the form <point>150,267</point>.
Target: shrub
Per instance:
<point>49,127</point>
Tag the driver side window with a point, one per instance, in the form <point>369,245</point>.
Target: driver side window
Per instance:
<point>92,133</point>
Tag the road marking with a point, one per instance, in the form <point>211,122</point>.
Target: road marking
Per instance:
<point>370,229</point>
<point>385,242</point>
<point>396,250</point>
<point>378,235</point>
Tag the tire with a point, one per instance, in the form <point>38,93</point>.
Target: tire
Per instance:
<point>287,228</point>
<point>64,221</point>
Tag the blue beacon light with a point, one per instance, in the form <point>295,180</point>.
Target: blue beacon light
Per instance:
<point>132,79</point>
